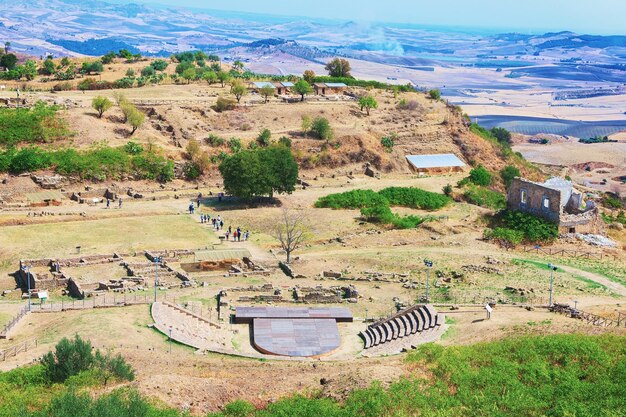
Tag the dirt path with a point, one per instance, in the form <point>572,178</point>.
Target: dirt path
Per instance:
<point>613,286</point>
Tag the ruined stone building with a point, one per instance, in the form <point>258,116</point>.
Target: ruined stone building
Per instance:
<point>558,201</point>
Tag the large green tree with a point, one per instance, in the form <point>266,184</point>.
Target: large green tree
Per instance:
<point>339,67</point>
<point>261,172</point>
<point>303,88</point>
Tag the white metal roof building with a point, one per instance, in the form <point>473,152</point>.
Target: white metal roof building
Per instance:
<point>262,84</point>
<point>436,162</point>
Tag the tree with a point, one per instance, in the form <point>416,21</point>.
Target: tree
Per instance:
<point>435,94</point>
<point>306,124</point>
<point>223,76</point>
<point>210,77</point>
<point>238,89</point>
<point>28,70</point>
<point>309,76</point>
<point>89,67</point>
<point>508,173</point>
<point>108,57</point>
<point>267,92</point>
<point>501,134</point>
<point>339,67</point>
<point>112,366</point>
<point>321,128</point>
<point>368,102</point>
<point>101,104</point>
<point>48,67</point>
<point>480,176</point>
<point>8,61</point>
<point>69,358</point>
<point>291,230</point>
<point>136,119</point>
<point>159,64</point>
<point>261,172</point>
<point>65,62</point>
<point>7,45</point>
<point>302,87</point>
<point>238,65</point>
<point>189,74</point>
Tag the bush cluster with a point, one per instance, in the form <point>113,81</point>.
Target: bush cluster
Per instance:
<point>484,197</point>
<point>375,206</point>
<point>515,227</point>
<point>553,375</point>
<point>41,123</point>
<point>99,163</point>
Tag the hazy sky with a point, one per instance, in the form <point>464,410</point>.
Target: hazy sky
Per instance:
<point>597,16</point>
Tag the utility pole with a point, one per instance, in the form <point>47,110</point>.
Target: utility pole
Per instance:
<point>170,340</point>
<point>552,269</point>
<point>157,261</point>
<point>429,264</point>
<point>27,270</point>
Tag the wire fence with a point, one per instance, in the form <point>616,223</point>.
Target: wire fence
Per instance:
<point>18,348</point>
<point>7,327</point>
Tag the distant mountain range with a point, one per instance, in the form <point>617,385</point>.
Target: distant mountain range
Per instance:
<point>93,27</point>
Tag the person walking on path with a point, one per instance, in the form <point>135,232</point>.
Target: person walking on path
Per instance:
<point>238,234</point>
<point>221,224</point>
<point>108,203</point>
<point>119,203</point>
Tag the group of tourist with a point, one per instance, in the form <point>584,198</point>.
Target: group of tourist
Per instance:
<point>238,235</point>
<point>218,223</point>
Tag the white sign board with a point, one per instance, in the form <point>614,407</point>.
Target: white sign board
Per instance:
<point>42,294</point>
<point>488,308</point>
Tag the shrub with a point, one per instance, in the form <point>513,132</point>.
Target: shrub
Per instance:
<point>378,214</point>
<point>414,198</point>
<point>501,134</point>
<point>285,141</point>
<point>403,104</point>
<point>28,160</point>
<point>434,94</point>
<point>407,222</point>
<point>191,170</point>
<point>148,71</point>
<point>388,142</point>
<point>64,86</point>
<point>447,190</point>
<point>485,197</point>
<point>508,173</point>
<point>322,129</point>
<point>224,104</point>
<point>159,64</point>
<point>41,123</point>
<point>480,176</point>
<point>534,229</point>
<point>502,234</point>
<point>133,148</point>
<point>265,138</point>
<point>613,202</point>
<point>235,145</point>
<point>215,140</point>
